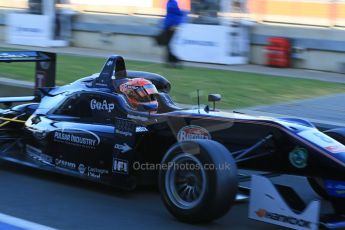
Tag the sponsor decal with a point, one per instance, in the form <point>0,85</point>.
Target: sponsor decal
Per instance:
<point>126,86</point>
<point>102,106</point>
<point>81,169</point>
<point>193,132</point>
<point>335,188</point>
<point>37,154</point>
<point>40,79</point>
<point>77,137</point>
<point>123,148</point>
<point>92,172</point>
<point>263,213</point>
<point>27,29</point>
<point>323,137</point>
<point>44,65</point>
<point>267,204</point>
<point>96,172</point>
<point>101,84</point>
<point>120,166</point>
<point>123,133</point>
<point>336,149</point>
<point>124,127</point>
<point>65,164</point>
<point>298,157</point>
<point>140,129</point>
<point>7,55</point>
<point>199,43</point>
<point>109,63</point>
<point>323,141</point>
<point>140,118</point>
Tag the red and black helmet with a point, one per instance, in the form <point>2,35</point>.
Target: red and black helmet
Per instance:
<point>140,93</point>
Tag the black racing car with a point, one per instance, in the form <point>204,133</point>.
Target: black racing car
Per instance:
<point>89,130</point>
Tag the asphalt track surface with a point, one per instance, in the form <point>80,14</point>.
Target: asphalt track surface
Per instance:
<point>63,202</point>
<point>67,203</point>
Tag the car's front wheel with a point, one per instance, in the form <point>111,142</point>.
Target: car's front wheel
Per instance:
<point>198,180</point>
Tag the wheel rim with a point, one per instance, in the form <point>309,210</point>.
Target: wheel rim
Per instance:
<point>185,181</point>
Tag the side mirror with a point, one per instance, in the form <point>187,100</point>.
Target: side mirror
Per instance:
<point>214,98</point>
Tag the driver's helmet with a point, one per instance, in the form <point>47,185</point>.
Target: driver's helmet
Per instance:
<point>141,94</point>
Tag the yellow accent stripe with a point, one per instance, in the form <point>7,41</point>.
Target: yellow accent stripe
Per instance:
<point>3,124</point>
<point>8,120</point>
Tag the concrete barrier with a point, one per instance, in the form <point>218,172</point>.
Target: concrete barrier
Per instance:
<point>318,48</point>
<point>120,43</point>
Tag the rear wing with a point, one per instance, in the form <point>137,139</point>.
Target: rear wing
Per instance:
<point>45,70</point>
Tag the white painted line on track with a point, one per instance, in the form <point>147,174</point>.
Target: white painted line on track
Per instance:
<point>22,224</point>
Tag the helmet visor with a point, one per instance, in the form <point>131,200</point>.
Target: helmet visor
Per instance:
<point>150,89</point>
<point>146,93</point>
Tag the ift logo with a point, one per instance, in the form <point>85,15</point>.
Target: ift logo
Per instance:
<point>120,166</point>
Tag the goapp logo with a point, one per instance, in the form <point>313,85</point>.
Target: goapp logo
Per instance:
<point>102,106</point>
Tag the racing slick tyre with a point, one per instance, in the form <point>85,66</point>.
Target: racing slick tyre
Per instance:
<point>198,182</point>
<point>317,185</point>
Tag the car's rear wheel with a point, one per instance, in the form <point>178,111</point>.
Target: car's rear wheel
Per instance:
<point>198,181</point>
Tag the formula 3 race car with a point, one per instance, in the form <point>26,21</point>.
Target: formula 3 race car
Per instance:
<point>90,130</point>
